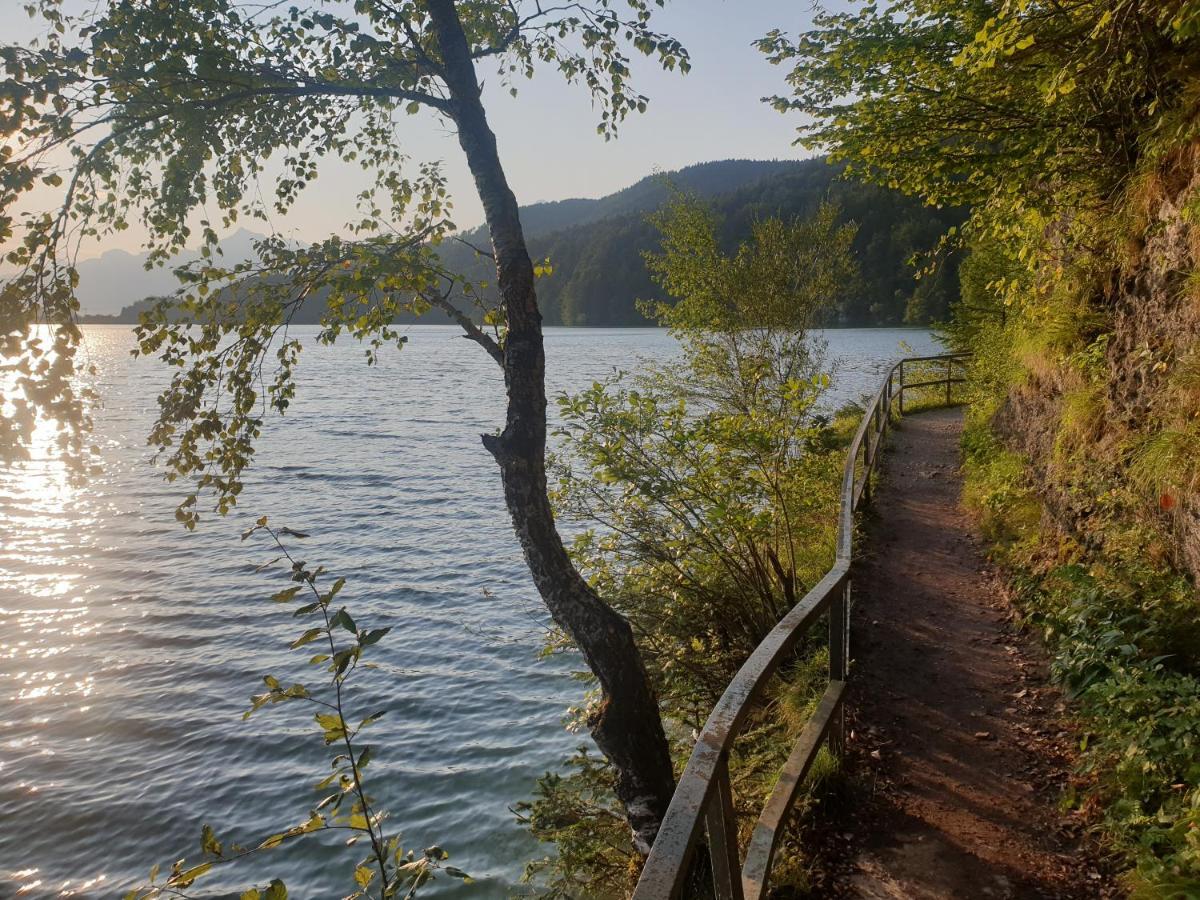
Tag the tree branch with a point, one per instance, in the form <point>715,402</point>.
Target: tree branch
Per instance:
<point>473,331</point>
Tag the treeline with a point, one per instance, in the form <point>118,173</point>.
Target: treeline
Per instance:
<point>595,248</point>
<point>599,273</point>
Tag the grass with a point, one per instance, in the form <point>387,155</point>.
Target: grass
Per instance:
<point>1168,462</point>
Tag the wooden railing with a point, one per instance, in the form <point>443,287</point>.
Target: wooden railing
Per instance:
<point>704,797</point>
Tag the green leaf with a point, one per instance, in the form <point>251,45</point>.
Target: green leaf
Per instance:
<point>373,636</point>
<point>331,798</point>
<point>332,726</point>
<point>343,658</point>
<point>209,842</point>
<point>333,591</point>
<point>187,877</point>
<point>285,595</point>
<point>343,620</point>
<point>307,638</point>
<point>374,717</point>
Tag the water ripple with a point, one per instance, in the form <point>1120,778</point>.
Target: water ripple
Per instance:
<point>128,647</point>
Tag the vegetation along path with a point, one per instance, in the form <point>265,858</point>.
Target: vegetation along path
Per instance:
<point>958,754</point>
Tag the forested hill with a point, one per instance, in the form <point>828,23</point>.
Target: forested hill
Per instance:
<point>599,274</point>
<point>595,246</point>
<point>708,179</point>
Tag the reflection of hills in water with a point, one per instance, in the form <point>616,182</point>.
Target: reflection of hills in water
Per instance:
<point>596,246</point>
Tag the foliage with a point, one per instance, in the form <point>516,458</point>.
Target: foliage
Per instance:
<point>167,114</point>
<point>578,813</point>
<point>708,486</point>
<point>1048,119</point>
<point>1010,103</point>
<point>1125,644</point>
<point>387,870</point>
<point>1070,130</point>
<point>708,493</point>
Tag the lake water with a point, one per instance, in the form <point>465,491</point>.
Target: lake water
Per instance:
<point>129,648</point>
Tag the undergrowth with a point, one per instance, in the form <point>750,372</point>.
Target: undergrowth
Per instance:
<point>1120,624</point>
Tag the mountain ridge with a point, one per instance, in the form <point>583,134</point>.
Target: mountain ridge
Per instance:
<point>596,245</point>
<point>118,278</point>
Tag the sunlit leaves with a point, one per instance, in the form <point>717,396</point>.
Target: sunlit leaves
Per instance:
<point>387,871</point>
<point>233,363</point>
<point>274,891</point>
<point>707,486</point>
<point>963,104</point>
<point>169,113</point>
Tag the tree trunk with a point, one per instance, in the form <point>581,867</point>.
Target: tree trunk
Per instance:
<point>627,726</point>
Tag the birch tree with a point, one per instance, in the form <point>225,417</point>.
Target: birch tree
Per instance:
<point>170,115</point>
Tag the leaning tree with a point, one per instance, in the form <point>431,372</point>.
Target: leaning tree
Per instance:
<point>169,117</point>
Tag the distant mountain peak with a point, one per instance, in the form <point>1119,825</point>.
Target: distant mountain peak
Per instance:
<point>118,278</point>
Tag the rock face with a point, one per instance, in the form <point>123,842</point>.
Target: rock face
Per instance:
<point>1156,316</point>
<point>1157,327</point>
<point>1150,308</point>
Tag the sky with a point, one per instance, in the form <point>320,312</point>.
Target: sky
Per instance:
<point>547,135</point>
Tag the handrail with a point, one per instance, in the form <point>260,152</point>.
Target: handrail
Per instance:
<point>703,795</point>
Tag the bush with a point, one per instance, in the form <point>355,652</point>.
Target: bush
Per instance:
<point>707,494</point>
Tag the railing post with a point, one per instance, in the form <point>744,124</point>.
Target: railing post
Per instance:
<point>872,441</point>
<point>901,387</point>
<point>839,647</point>
<point>721,821</point>
<point>866,472</point>
<point>891,396</point>
<point>949,373</point>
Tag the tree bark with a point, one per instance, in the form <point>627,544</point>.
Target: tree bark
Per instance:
<point>627,725</point>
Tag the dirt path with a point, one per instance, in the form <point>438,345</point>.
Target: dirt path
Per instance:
<point>958,754</point>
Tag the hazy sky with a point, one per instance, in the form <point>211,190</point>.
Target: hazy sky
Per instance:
<point>547,135</point>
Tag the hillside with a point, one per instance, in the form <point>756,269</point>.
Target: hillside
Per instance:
<point>108,283</point>
<point>710,179</point>
<point>595,246</point>
<point>1072,132</point>
<point>599,274</point>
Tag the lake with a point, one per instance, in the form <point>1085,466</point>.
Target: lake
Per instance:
<point>129,647</point>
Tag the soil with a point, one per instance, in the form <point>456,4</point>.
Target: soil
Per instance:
<point>959,749</point>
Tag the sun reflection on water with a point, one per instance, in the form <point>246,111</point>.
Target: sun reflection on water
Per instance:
<point>45,621</point>
<point>39,550</point>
